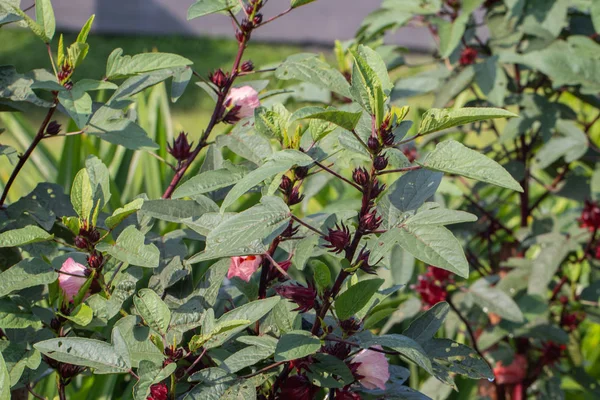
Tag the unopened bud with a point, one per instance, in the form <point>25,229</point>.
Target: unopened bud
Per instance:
<point>380,163</point>
<point>247,66</point>
<point>53,128</point>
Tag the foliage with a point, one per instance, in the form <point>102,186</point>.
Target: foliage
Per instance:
<point>221,281</point>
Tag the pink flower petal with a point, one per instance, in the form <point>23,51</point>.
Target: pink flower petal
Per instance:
<point>69,283</point>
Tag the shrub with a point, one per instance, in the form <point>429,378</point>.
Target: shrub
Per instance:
<point>274,268</point>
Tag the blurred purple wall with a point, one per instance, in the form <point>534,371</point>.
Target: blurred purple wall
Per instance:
<point>320,22</point>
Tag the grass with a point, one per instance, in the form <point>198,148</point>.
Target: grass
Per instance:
<point>25,51</point>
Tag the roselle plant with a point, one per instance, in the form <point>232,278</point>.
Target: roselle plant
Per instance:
<point>230,285</point>
<point>530,307</point>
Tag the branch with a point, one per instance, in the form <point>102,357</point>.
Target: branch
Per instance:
<point>405,169</point>
<point>332,172</point>
<point>469,329</point>
<point>23,159</point>
<point>275,17</point>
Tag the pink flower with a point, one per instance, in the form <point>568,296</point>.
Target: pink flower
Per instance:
<point>373,368</point>
<point>69,283</point>
<point>243,267</point>
<point>513,373</point>
<point>243,100</point>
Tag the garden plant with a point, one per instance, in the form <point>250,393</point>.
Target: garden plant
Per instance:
<point>317,238</point>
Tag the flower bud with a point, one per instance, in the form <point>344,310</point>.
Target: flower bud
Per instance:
<point>468,56</point>
<point>373,144</point>
<point>338,238</point>
<point>370,221</point>
<point>300,172</point>
<point>53,128</point>
<point>68,371</point>
<point>295,197</point>
<point>290,231</point>
<point>380,163</point>
<point>247,66</point>
<point>298,387</point>
<point>377,189</point>
<point>361,176</point>
<point>590,216</point>
<point>81,242</point>
<point>286,184</point>
<point>303,296</point>
<point>410,153</point>
<point>90,233</point>
<point>158,391</point>
<point>239,36</point>
<point>181,149</point>
<point>95,260</point>
<point>219,78</point>
<point>246,26</point>
<point>249,9</point>
<point>388,138</point>
<point>363,258</point>
<point>257,19</point>
<point>350,326</point>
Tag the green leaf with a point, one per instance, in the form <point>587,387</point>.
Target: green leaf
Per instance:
<point>20,237</point>
<point>17,316</point>
<point>433,214</point>
<point>356,297</point>
<point>130,248</point>
<point>572,144</point>
<point>322,275</point>
<point>246,357</point>
<point>298,3</point>
<point>310,68</point>
<point>82,315</point>
<point>138,340</point>
<point>452,157</point>
<point>425,327</point>
<point>595,12</point>
<point>150,374</point>
<point>206,7</point>
<point>82,196</point>
<point>33,25</point>
<point>248,232</point>
<point>494,300</point>
<point>492,80</point>
<point>207,182</point>
<point>450,34</point>
<point>186,212</point>
<point>17,87</point>
<point>121,213</point>
<point>77,52</point>
<point>110,123</point>
<point>4,381</point>
<point>276,163</point>
<point>27,273</point>
<point>248,314</point>
<point>153,310</point>
<point>78,105</point>
<point>450,357</point>
<point>434,245</point>
<point>181,79</point>
<point>7,12</point>
<point>566,63</point>
<point>554,248</point>
<point>44,15</point>
<point>91,189</point>
<point>271,123</point>
<point>119,66</point>
<point>403,345</point>
<point>85,30</point>
<point>10,153</point>
<point>437,119</point>
<point>344,119</point>
<point>377,65</point>
<point>296,344</point>
<point>103,357</point>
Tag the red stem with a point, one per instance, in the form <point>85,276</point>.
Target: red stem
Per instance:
<point>23,159</point>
